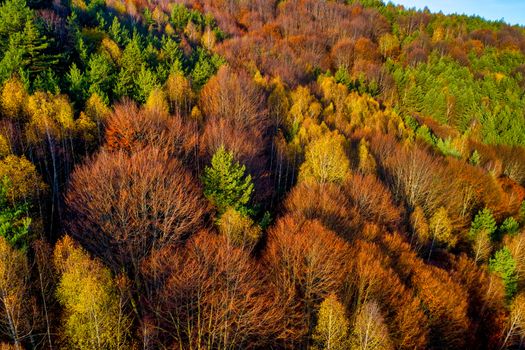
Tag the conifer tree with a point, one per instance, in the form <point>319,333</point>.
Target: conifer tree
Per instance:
<point>504,265</point>
<point>226,183</point>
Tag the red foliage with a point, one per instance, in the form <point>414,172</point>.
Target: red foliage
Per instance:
<point>124,206</point>
<point>212,295</point>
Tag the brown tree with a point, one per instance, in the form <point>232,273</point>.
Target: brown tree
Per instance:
<point>306,260</point>
<point>131,129</point>
<point>213,295</point>
<point>124,206</point>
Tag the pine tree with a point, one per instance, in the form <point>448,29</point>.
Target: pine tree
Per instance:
<point>504,265</point>
<point>483,223</point>
<point>14,222</point>
<point>226,184</point>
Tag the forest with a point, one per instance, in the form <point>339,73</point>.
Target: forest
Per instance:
<point>260,174</point>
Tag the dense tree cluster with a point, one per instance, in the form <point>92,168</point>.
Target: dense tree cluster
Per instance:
<point>299,174</point>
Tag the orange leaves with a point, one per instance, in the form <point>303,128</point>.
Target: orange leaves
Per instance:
<point>215,295</point>
<point>125,206</point>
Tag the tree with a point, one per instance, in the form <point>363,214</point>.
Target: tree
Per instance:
<point>131,129</point>
<point>94,314</point>
<point>509,226</point>
<point>483,224</point>
<point>14,222</point>
<point>213,295</point>
<point>372,199</point>
<point>180,95</point>
<point>15,303</point>
<point>332,329</point>
<point>419,226</point>
<point>307,262</point>
<point>124,206</point>
<point>325,160</point>
<point>367,163</point>
<point>370,331</point>
<point>25,184</point>
<point>13,98</point>
<point>240,230</point>
<point>441,229</point>
<point>236,119</point>
<point>516,326</point>
<point>225,183</point>
<point>504,265</point>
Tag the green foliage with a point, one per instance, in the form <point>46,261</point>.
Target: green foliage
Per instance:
<point>205,66</point>
<point>522,212</point>
<point>14,219</point>
<point>226,183</point>
<point>450,94</point>
<point>447,148</point>
<point>483,223</point>
<point>504,265</point>
<point>509,226</point>
<point>475,158</point>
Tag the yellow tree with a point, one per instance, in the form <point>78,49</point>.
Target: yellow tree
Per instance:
<point>441,229</point>
<point>332,329</point>
<point>157,102</point>
<point>179,93</point>
<point>25,182</point>
<point>370,331</point>
<point>325,160</point>
<point>239,229</point>
<point>15,305</point>
<point>94,315</point>
<point>13,98</point>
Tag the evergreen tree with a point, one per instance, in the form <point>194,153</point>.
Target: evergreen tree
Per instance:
<point>504,265</point>
<point>14,221</point>
<point>226,184</point>
<point>483,223</point>
<point>509,226</point>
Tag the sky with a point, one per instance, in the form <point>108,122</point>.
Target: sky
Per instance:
<point>512,11</point>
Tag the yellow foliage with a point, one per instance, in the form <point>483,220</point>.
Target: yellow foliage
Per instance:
<point>111,48</point>
<point>441,228</point>
<point>25,182</point>
<point>209,39</point>
<point>159,17</point>
<point>388,45</point>
<point>49,116</point>
<point>367,163</point>
<point>168,29</point>
<point>93,316</point>
<point>196,114</point>
<point>179,93</point>
<point>5,148</point>
<point>86,129</point>
<point>325,160</point>
<point>301,100</point>
<point>13,98</point>
<point>240,230</point>
<point>157,101</point>
<point>332,330</point>
<point>96,109</point>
